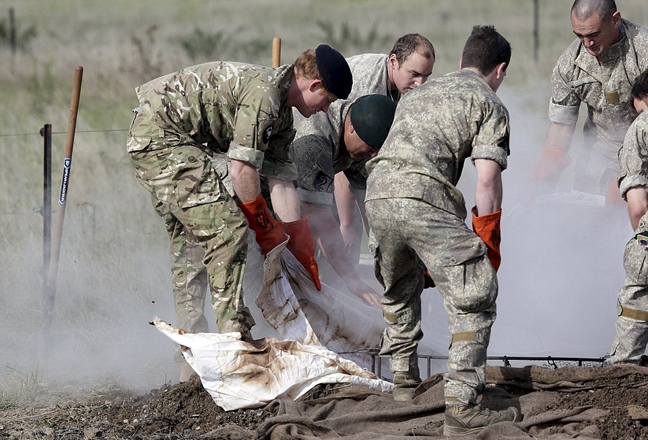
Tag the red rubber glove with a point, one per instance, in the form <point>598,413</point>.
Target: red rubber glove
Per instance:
<point>429,282</point>
<point>613,198</point>
<point>302,246</point>
<point>487,227</point>
<point>269,232</point>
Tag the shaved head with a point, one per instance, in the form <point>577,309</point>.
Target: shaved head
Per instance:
<point>584,9</point>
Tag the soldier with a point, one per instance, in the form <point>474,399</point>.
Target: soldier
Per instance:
<point>408,65</point>
<point>329,177</point>
<point>245,111</point>
<point>597,69</point>
<point>417,217</point>
<point>351,132</point>
<point>632,324</point>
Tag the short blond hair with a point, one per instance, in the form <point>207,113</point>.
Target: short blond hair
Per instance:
<point>306,66</point>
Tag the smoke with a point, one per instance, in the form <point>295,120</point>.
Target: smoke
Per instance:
<point>106,294</point>
<point>561,270</point>
<point>562,258</point>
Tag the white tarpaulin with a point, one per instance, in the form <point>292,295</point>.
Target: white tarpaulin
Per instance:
<point>239,374</point>
<point>296,310</point>
<point>315,326</point>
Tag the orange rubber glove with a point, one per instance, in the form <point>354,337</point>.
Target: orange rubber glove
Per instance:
<point>269,232</point>
<point>613,198</point>
<point>302,246</point>
<point>551,161</point>
<point>429,282</point>
<point>487,227</point>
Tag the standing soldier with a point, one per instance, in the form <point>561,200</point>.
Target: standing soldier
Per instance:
<point>245,111</point>
<point>328,176</point>
<point>408,65</point>
<point>632,324</point>
<point>417,217</point>
<point>597,69</point>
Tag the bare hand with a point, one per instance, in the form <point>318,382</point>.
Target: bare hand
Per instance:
<point>363,291</point>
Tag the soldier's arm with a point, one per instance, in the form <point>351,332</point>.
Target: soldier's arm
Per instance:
<point>285,201</point>
<point>637,198</point>
<point>329,239</point>
<point>488,192</point>
<point>554,153</point>
<point>347,210</point>
<point>245,180</point>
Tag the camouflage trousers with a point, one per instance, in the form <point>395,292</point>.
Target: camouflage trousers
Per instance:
<point>207,231</point>
<point>632,307</point>
<point>408,235</point>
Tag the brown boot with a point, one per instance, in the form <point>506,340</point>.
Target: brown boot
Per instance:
<point>471,419</point>
<point>405,385</point>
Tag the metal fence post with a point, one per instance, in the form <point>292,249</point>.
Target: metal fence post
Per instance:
<point>46,132</point>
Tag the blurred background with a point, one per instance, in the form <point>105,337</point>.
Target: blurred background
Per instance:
<point>562,253</point>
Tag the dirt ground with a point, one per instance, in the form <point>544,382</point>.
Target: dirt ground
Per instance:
<point>186,411</point>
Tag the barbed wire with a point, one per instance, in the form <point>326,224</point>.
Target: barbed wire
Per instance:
<point>64,132</point>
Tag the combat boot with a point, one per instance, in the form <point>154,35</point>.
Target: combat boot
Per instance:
<point>471,419</point>
<point>405,385</point>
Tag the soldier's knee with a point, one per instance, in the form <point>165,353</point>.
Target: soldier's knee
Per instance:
<point>475,299</point>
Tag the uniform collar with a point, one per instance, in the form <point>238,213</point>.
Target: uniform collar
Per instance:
<point>617,49</point>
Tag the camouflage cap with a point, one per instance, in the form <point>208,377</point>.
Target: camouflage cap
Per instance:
<point>372,117</point>
<point>334,70</point>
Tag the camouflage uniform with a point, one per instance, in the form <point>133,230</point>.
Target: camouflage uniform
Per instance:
<point>605,89</point>
<point>417,217</point>
<point>318,149</point>
<point>632,301</point>
<point>184,121</point>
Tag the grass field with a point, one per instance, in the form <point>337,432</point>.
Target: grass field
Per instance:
<point>113,275</point>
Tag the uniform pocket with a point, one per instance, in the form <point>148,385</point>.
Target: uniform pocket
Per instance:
<point>635,262</point>
<point>137,143</point>
<point>195,179</point>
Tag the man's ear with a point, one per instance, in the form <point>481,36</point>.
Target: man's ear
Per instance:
<point>393,61</point>
<point>501,70</point>
<point>315,85</point>
<point>616,18</point>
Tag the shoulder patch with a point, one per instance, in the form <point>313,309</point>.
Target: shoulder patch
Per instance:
<point>267,134</point>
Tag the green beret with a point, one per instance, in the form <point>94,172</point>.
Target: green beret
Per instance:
<point>334,70</point>
<point>372,116</point>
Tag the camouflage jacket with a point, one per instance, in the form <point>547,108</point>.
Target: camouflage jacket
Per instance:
<point>633,156</point>
<point>604,88</point>
<point>318,149</point>
<point>436,127</point>
<point>222,107</point>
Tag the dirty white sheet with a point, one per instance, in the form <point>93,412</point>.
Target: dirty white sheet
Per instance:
<point>239,374</point>
<point>296,310</point>
<point>315,325</point>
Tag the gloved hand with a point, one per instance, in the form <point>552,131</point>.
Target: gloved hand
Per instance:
<point>302,246</point>
<point>429,282</point>
<point>487,227</point>
<point>269,232</point>
<point>613,198</point>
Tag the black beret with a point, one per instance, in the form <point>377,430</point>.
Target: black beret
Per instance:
<point>372,117</point>
<point>334,70</point>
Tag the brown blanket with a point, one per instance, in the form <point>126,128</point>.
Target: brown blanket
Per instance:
<point>570,402</point>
